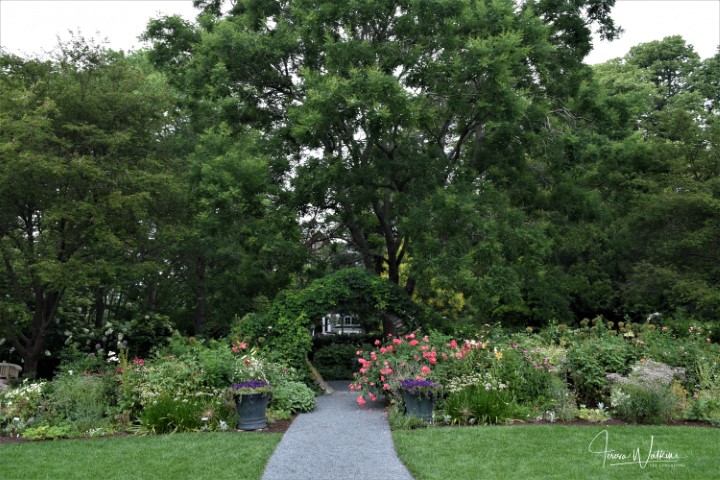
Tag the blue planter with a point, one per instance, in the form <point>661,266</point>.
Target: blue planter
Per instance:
<point>419,406</point>
<point>251,409</point>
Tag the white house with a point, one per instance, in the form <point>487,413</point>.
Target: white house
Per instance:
<point>340,324</point>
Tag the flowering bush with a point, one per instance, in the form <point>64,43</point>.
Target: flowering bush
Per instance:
<point>250,367</point>
<point>412,357</point>
<point>19,406</point>
<point>385,367</point>
<point>646,394</point>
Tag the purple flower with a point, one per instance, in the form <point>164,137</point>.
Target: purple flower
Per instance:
<point>419,387</point>
<point>256,384</point>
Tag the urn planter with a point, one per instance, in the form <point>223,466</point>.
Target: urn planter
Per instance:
<point>420,406</point>
<point>252,410</point>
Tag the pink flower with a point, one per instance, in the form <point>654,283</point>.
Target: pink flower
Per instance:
<point>452,344</point>
<point>372,397</point>
<point>413,343</point>
<point>410,336</point>
<point>359,353</point>
<point>386,387</point>
<point>432,360</point>
<point>425,369</point>
<point>377,342</point>
<point>426,339</point>
<point>383,350</point>
<point>373,355</point>
<point>397,341</point>
<point>361,400</point>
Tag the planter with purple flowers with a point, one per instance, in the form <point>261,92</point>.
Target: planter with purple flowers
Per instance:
<point>251,401</point>
<point>419,397</point>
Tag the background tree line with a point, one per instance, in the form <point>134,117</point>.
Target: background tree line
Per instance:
<point>460,149</point>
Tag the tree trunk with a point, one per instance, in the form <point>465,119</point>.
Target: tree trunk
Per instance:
<point>99,307</point>
<point>200,313</point>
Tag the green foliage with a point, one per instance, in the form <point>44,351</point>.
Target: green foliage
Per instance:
<point>50,432</point>
<point>168,414</point>
<point>480,405</point>
<point>647,394</point>
<point>21,405</point>
<point>295,397</point>
<point>84,400</point>
<point>590,359</point>
<point>650,405</point>
<point>336,362</point>
<point>398,419</point>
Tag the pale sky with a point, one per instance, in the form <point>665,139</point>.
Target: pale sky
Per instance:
<point>31,27</point>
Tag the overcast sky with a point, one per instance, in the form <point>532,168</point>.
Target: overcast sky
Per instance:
<point>30,27</point>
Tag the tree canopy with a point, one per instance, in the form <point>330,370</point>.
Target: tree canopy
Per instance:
<point>451,160</point>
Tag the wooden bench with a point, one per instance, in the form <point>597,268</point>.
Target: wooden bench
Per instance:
<point>9,370</point>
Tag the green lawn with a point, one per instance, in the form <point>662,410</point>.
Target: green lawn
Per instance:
<point>560,452</point>
<point>181,456</point>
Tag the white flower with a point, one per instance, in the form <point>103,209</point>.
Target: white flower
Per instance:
<point>47,353</point>
<point>70,372</point>
<point>2,340</point>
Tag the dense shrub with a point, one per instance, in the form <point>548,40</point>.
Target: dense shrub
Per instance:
<point>293,397</point>
<point>591,358</point>
<point>646,394</point>
<point>84,400</point>
<point>487,403</point>
<point>336,362</point>
<point>168,414</point>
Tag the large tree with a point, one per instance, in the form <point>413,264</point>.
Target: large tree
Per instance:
<point>82,181</point>
<point>371,109</point>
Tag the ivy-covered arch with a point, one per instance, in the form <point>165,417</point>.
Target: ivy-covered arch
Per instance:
<point>285,329</point>
<point>352,290</point>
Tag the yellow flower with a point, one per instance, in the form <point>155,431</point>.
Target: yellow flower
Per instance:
<point>498,355</point>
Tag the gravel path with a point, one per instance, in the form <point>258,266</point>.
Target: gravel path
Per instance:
<point>337,441</point>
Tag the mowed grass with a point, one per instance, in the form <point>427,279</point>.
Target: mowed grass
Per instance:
<point>181,456</point>
<point>560,452</point>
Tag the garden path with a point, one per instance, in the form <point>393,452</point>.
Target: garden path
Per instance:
<point>339,440</point>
